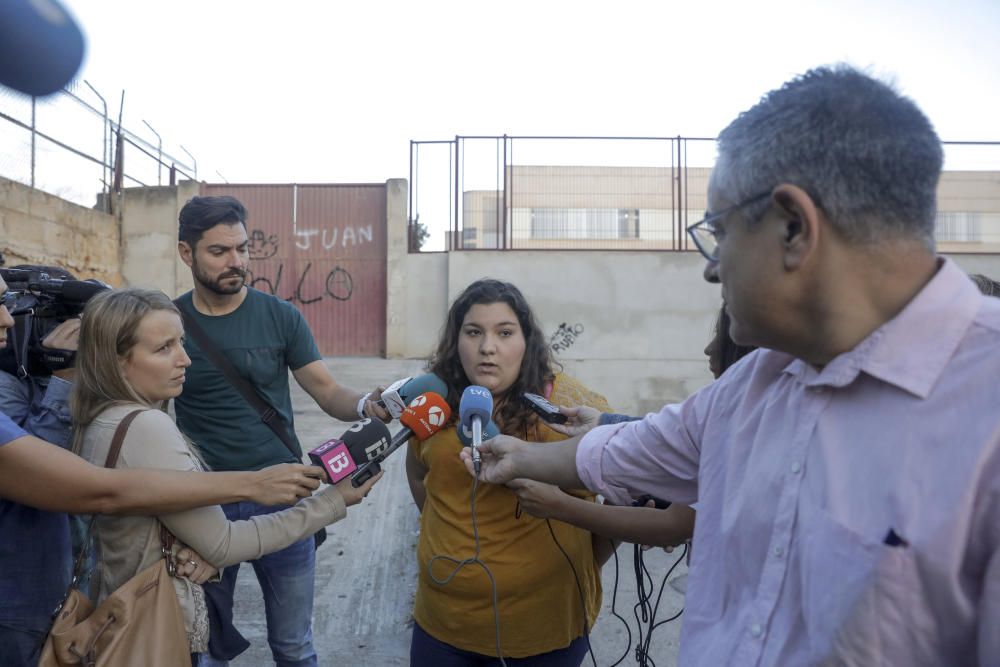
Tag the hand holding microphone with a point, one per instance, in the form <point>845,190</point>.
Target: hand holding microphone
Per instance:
<point>354,493</point>
<point>579,420</point>
<point>398,395</point>
<point>340,457</point>
<point>476,410</point>
<point>359,451</point>
<point>497,463</point>
<point>423,417</point>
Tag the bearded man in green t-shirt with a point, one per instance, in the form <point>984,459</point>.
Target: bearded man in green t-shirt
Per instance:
<point>263,337</point>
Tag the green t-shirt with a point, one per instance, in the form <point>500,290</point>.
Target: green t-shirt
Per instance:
<point>263,338</point>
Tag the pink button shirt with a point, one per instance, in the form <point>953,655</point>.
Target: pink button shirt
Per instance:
<point>849,515</point>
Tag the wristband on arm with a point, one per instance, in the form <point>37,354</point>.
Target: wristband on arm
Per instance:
<point>361,405</point>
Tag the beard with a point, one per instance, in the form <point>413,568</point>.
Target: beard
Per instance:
<point>219,284</point>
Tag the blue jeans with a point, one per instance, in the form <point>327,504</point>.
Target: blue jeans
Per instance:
<point>425,651</point>
<point>287,579</point>
<point>19,646</point>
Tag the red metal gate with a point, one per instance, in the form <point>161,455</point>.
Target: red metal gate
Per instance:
<point>323,248</point>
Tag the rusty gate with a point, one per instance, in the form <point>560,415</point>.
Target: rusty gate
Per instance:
<point>323,248</point>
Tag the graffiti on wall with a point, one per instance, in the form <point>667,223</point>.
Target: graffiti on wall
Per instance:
<point>328,238</point>
<point>261,245</point>
<point>565,336</point>
<point>338,284</point>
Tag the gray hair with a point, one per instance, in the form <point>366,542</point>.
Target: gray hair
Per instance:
<point>868,156</point>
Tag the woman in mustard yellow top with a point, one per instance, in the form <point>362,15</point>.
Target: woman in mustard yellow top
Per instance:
<point>546,571</point>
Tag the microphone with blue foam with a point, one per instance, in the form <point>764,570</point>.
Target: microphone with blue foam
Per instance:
<point>490,430</point>
<point>398,395</point>
<point>476,409</point>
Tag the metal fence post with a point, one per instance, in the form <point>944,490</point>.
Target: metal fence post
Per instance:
<point>33,140</point>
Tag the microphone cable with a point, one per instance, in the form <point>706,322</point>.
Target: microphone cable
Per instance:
<point>459,564</point>
<point>614,612</point>
<point>579,588</point>
<point>648,614</point>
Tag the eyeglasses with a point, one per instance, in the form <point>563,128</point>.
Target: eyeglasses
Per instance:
<point>705,233</point>
<point>8,299</point>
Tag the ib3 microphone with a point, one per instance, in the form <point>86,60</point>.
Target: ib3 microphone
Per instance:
<point>340,457</point>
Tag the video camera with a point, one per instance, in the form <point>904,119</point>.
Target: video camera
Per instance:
<point>41,303</point>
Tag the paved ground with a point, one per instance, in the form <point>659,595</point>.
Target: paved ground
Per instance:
<point>366,571</point>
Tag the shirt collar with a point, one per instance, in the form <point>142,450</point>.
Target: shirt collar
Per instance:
<point>912,349</point>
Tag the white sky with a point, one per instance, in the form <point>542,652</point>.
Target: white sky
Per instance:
<point>333,91</point>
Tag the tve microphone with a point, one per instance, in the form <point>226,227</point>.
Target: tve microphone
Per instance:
<point>465,435</point>
<point>476,409</point>
<point>41,46</point>
<point>340,457</point>
<point>423,417</point>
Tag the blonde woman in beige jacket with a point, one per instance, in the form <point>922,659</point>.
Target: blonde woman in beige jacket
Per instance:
<point>131,357</point>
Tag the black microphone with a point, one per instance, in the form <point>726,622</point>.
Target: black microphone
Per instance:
<point>41,47</point>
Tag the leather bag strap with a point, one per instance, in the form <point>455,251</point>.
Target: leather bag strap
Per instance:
<point>109,462</point>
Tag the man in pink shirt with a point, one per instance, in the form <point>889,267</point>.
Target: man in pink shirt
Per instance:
<point>848,476</point>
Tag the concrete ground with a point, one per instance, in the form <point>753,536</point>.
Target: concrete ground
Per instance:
<point>366,572</point>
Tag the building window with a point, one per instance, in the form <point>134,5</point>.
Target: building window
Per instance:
<point>958,226</point>
<point>584,223</point>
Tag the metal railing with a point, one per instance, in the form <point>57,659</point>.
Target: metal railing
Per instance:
<point>625,193</point>
<point>65,145</point>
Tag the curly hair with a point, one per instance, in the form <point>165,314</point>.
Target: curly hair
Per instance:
<point>537,365</point>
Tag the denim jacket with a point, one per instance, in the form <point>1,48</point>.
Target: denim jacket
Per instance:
<point>35,546</point>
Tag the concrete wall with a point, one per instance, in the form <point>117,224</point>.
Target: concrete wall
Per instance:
<point>988,265</point>
<point>637,320</point>
<point>39,228</point>
<point>640,320</point>
<point>149,237</point>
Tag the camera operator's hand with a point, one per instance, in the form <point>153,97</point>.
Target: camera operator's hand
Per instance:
<point>65,336</point>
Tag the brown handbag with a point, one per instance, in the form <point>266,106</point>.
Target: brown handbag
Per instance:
<point>139,624</point>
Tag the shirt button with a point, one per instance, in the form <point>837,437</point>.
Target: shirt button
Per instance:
<point>796,467</point>
<point>756,630</point>
<point>779,552</point>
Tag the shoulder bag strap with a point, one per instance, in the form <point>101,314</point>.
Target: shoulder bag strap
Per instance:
<point>109,462</point>
<point>267,413</point>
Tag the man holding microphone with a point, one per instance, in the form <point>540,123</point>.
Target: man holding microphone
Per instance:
<point>848,475</point>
